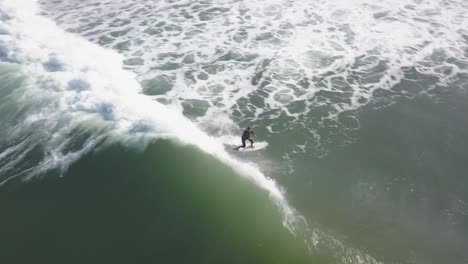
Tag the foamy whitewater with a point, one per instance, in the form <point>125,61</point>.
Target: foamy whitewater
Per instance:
<point>87,74</point>
<point>332,55</point>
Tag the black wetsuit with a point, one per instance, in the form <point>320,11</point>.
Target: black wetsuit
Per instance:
<point>246,136</point>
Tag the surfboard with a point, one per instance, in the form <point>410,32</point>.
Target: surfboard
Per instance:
<point>248,148</point>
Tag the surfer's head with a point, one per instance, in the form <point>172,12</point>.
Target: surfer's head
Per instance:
<point>248,128</point>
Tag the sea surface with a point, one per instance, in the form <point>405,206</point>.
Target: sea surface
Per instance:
<point>118,119</point>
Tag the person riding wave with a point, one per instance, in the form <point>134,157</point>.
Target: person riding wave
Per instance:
<point>247,135</point>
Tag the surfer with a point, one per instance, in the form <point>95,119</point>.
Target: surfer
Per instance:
<point>247,135</point>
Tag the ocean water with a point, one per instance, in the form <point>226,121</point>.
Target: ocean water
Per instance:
<point>117,119</point>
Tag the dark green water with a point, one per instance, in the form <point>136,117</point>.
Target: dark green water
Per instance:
<point>168,204</point>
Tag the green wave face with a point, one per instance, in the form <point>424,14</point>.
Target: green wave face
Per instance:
<point>166,204</point>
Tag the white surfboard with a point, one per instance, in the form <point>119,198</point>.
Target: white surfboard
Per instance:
<point>248,148</point>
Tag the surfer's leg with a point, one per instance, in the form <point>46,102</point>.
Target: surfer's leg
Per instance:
<point>251,142</point>
<point>243,144</point>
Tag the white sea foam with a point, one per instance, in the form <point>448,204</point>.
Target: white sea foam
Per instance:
<point>311,61</point>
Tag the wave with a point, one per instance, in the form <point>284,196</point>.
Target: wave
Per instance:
<point>77,90</point>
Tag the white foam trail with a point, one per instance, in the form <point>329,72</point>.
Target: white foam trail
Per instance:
<point>86,82</point>
<point>259,60</point>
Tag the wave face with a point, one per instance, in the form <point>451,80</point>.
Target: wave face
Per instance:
<point>167,203</point>
<point>340,90</point>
